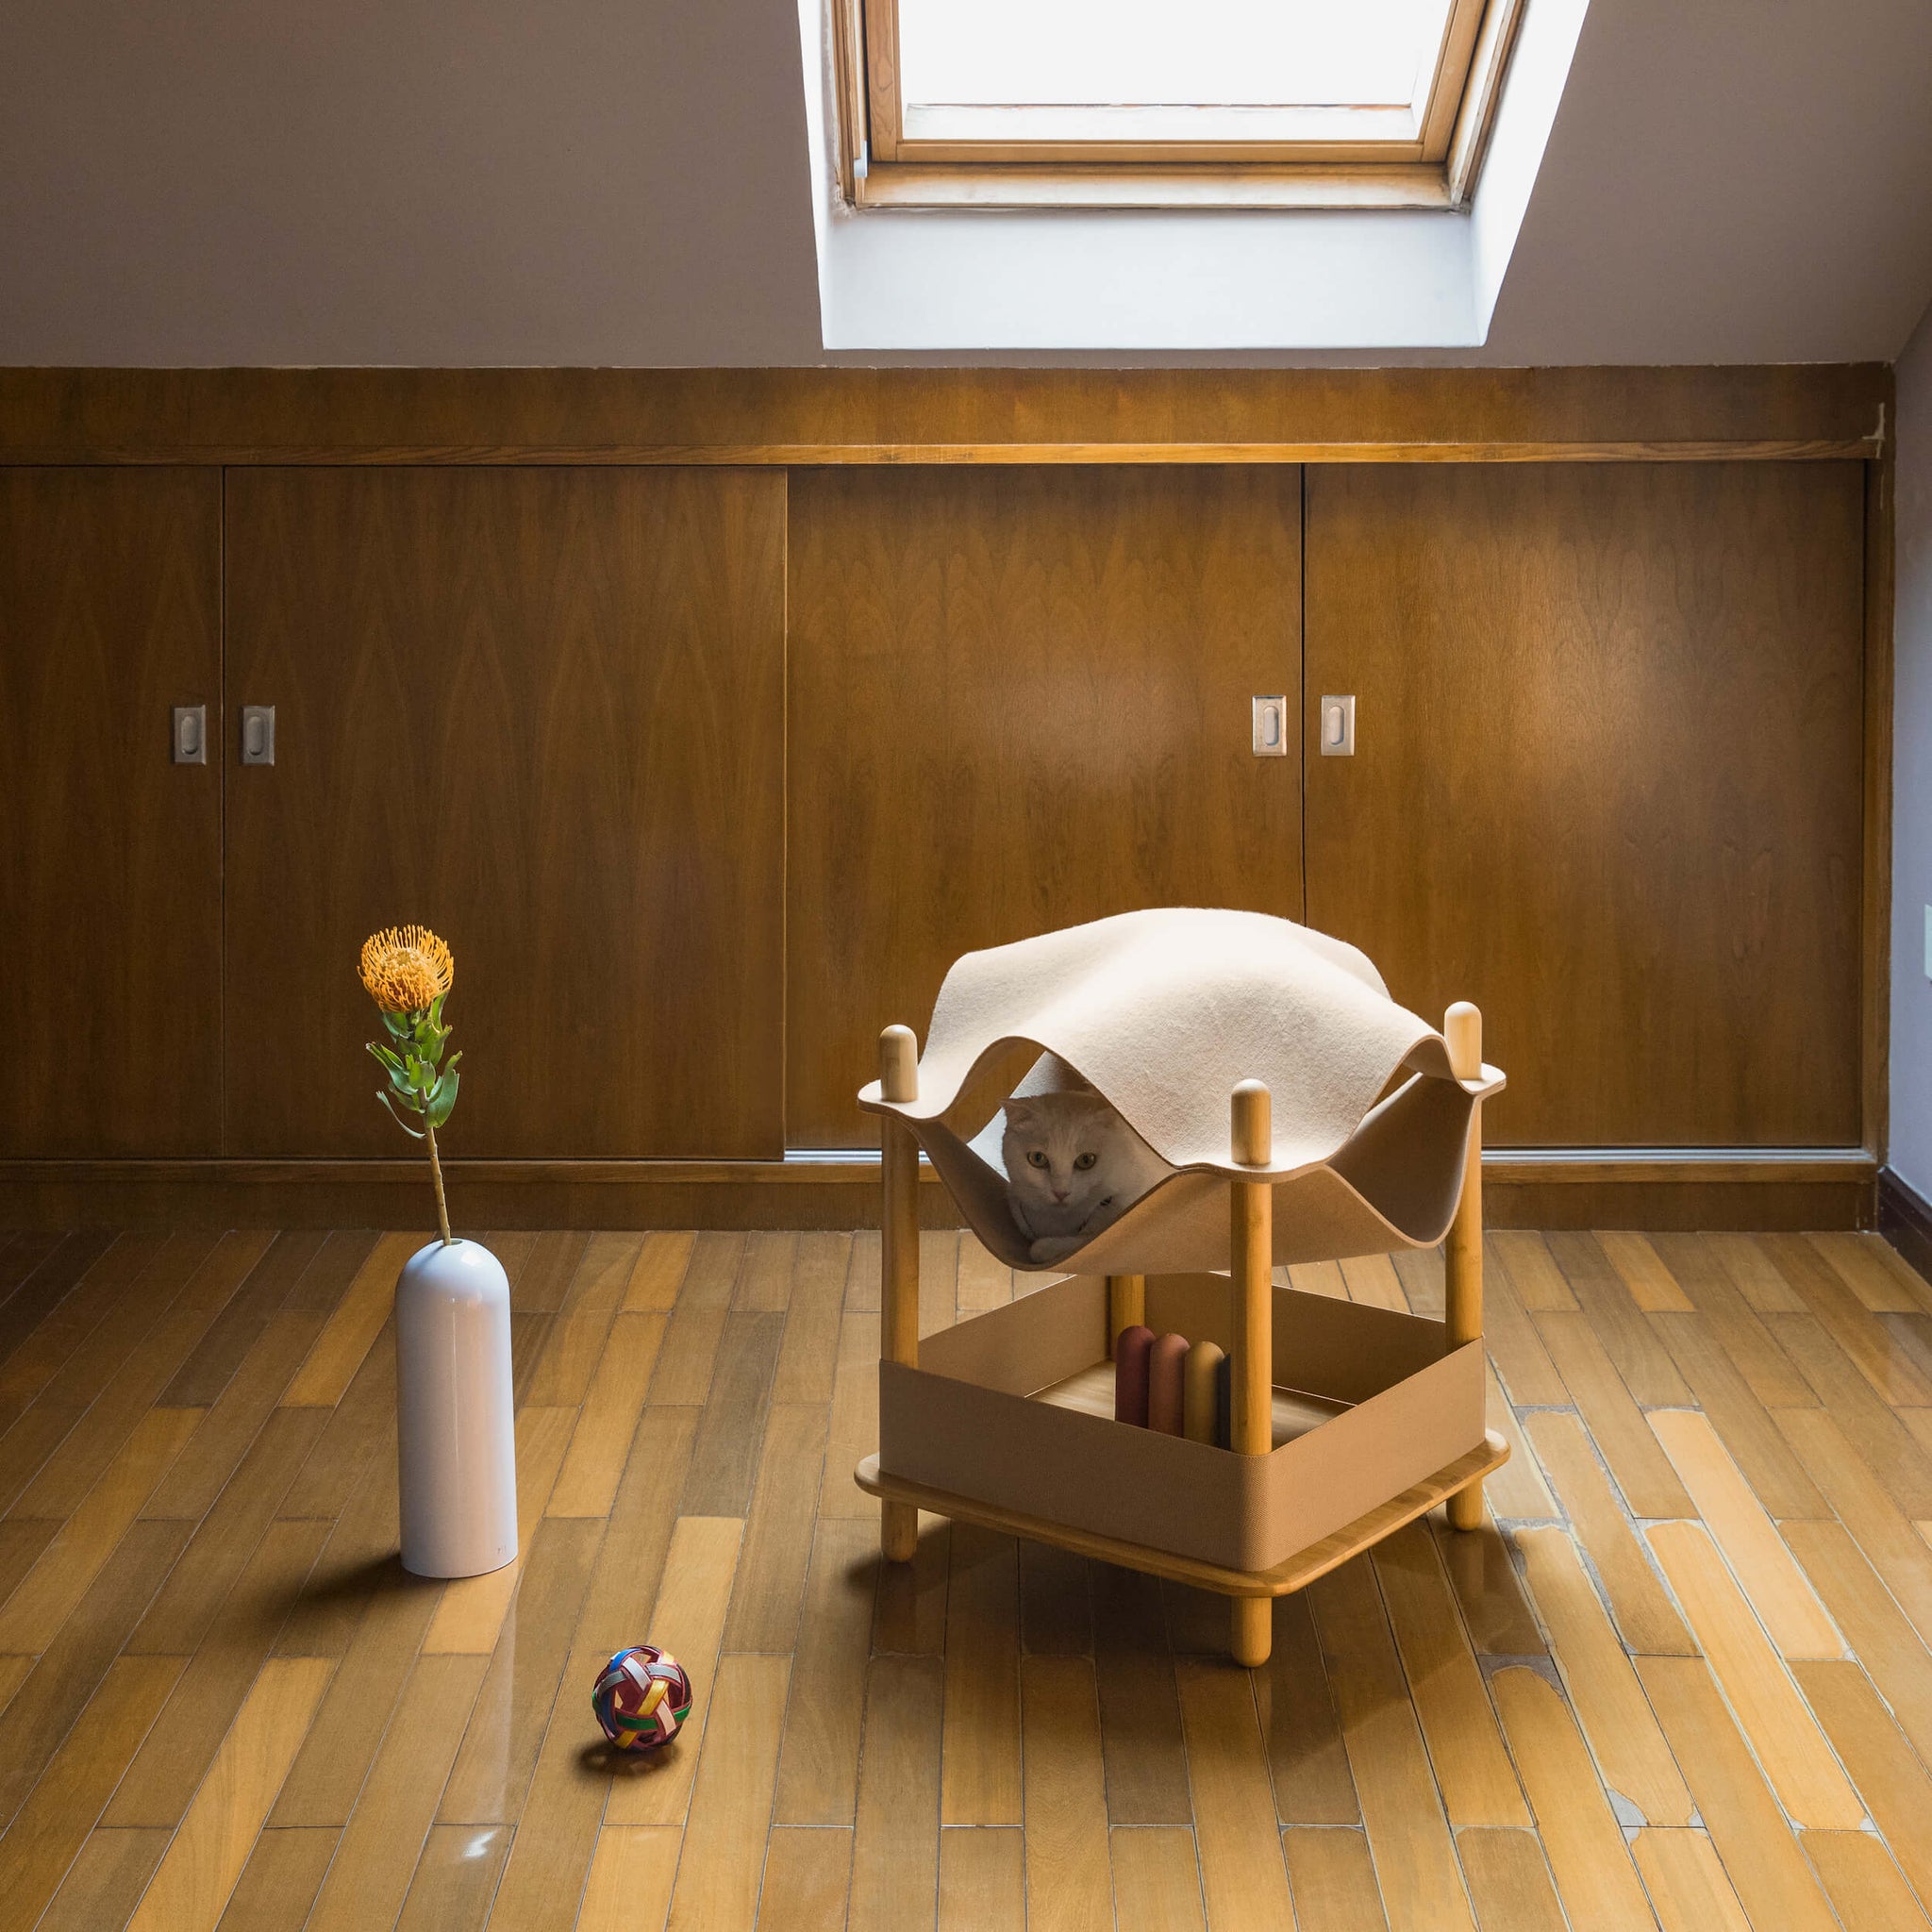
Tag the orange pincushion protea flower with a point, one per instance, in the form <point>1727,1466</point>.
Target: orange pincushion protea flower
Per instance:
<point>406,969</point>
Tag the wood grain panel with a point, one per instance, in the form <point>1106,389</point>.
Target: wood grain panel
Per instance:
<point>1606,784</point>
<point>532,711</point>
<point>1020,699</point>
<point>110,860</point>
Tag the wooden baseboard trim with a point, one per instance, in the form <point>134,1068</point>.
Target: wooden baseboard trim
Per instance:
<point>1653,1187</point>
<point>820,1167</point>
<point>1676,1166</point>
<point>1904,1219</point>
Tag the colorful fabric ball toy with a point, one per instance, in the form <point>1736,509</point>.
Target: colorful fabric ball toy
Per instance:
<point>641,1698</point>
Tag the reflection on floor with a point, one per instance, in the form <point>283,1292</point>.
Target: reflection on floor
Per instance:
<point>1683,1677</point>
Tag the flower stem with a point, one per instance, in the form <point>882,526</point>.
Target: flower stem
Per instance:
<point>435,1173</point>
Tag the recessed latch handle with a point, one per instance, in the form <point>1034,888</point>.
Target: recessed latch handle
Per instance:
<point>190,734</point>
<point>257,734</point>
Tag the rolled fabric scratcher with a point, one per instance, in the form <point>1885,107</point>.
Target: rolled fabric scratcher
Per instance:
<point>1200,1398</point>
<point>1167,1363</point>
<point>1131,1355</point>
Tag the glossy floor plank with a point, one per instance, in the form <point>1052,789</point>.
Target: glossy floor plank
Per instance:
<point>1243,1874</point>
<point>1610,1704</point>
<point>191,1887</point>
<point>1783,1733</point>
<point>1581,1839</point>
<point>1687,1882</point>
<point>1680,1677</point>
<point>1157,1880</point>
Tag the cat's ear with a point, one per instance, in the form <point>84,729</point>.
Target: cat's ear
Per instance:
<point>1021,1114</point>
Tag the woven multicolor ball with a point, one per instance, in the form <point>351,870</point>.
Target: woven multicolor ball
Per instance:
<point>641,1698</point>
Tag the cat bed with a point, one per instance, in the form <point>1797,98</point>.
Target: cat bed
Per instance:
<point>1161,1013</point>
<point>1301,1115</point>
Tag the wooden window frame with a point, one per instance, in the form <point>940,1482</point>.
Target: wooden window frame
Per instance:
<point>1423,154</point>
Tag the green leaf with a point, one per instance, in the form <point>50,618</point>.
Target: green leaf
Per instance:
<point>392,1063</point>
<point>442,1103</point>
<point>414,1133</point>
<point>398,1025</point>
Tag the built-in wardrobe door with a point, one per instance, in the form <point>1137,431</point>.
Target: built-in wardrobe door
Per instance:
<point>1022,698</point>
<point>110,853</point>
<point>539,710</point>
<point>1606,782</point>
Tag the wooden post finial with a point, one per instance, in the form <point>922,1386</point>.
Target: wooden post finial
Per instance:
<point>1462,1028</point>
<point>1253,1125</point>
<point>899,1064</point>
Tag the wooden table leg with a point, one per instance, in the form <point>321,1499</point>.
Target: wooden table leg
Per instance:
<point>1462,1253</point>
<point>899,1253</point>
<point>1250,1208</point>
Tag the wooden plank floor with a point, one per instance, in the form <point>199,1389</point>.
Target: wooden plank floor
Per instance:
<point>1682,1678</point>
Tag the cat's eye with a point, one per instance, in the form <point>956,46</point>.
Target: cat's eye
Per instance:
<point>1085,1161</point>
<point>1036,1158</point>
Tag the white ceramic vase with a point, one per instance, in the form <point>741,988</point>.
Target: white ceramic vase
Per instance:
<point>455,1422</point>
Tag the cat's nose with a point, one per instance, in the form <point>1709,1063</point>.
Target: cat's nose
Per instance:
<point>1059,1193</point>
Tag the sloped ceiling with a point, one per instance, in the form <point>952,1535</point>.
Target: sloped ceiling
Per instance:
<point>1731,181</point>
<point>626,182</point>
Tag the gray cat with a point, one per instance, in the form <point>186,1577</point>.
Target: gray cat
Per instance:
<point>1072,1166</point>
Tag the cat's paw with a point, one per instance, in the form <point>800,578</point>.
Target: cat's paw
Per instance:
<point>1050,1248</point>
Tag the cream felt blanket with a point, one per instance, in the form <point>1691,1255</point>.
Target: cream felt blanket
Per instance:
<point>1163,1012</point>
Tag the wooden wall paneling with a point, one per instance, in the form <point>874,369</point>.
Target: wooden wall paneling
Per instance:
<point>110,859</point>
<point>936,415</point>
<point>1608,782</point>
<point>1020,699</point>
<point>539,710</point>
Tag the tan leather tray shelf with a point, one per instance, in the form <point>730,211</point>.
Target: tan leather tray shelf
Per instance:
<point>970,1423</point>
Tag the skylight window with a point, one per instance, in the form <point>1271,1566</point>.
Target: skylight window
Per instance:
<point>1147,54</point>
<point>1006,103</point>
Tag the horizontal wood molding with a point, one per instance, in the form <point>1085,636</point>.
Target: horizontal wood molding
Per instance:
<point>878,455</point>
<point>1739,1187</point>
<point>848,415</point>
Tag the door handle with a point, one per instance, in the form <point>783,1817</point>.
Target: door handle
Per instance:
<point>191,735</point>
<point>257,734</point>
<point>1338,728</point>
